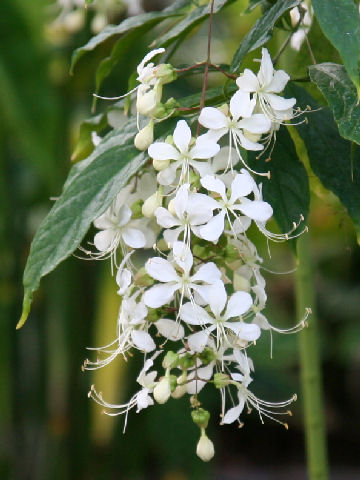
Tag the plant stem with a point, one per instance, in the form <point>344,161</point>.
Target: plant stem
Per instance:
<point>311,380</point>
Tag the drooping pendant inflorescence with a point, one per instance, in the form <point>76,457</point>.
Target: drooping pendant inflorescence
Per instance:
<point>196,304</point>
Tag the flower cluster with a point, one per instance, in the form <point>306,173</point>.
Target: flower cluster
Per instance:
<point>198,301</point>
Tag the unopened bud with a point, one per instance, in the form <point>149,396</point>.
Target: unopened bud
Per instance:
<point>164,110</point>
<point>171,207</point>
<point>165,73</point>
<point>151,204</point>
<point>221,380</point>
<point>180,389</point>
<point>205,448</point>
<point>145,137</point>
<point>241,283</point>
<point>207,356</point>
<point>160,164</point>
<point>186,361</point>
<point>162,391</point>
<point>253,137</point>
<point>148,98</point>
<point>200,417</point>
<point>170,360</point>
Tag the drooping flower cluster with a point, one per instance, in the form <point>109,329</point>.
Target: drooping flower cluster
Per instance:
<point>198,301</point>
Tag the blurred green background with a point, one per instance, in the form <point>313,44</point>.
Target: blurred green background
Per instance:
<point>49,429</point>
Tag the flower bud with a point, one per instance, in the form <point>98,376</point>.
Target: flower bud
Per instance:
<point>186,361</point>
<point>151,204</point>
<point>145,137</point>
<point>205,448</point>
<point>171,207</point>
<point>241,283</point>
<point>200,417</point>
<point>165,73</point>
<point>162,391</point>
<point>221,380</point>
<point>180,389</point>
<point>136,208</point>
<point>164,110</point>
<point>207,356</point>
<point>170,360</point>
<point>148,98</point>
<point>160,164</point>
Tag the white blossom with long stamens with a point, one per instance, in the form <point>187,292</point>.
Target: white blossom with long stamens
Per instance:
<point>172,281</point>
<point>221,319</point>
<point>182,155</point>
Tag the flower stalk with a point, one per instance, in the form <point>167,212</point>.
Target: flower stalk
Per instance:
<point>311,378</point>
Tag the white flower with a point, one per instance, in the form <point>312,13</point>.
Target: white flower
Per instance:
<point>164,271</point>
<point>299,36</point>
<point>220,320</point>
<point>147,71</point>
<point>170,329</point>
<point>183,154</point>
<point>233,201</point>
<point>191,210</point>
<point>265,86</point>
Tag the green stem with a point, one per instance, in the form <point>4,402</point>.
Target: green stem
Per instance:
<point>311,380</point>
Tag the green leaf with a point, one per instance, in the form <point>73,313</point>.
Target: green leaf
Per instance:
<point>184,26</point>
<point>341,95</point>
<point>333,159</point>
<point>261,31</point>
<point>90,191</point>
<point>132,23</point>
<point>288,188</point>
<point>339,20</point>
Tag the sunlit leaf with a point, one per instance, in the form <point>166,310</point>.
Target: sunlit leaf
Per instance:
<point>261,32</point>
<point>341,95</point>
<point>339,20</point>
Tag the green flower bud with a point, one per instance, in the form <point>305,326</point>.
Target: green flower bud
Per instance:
<point>163,110</point>
<point>200,417</point>
<point>137,209</point>
<point>207,356</point>
<point>186,361</point>
<point>170,360</point>
<point>221,380</point>
<point>165,73</point>
<point>173,382</point>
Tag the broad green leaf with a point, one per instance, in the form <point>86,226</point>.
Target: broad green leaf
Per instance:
<point>132,23</point>
<point>288,188</point>
<point>261,31</point>
<point>341,95</point>
<point>194,18</point>
<point>339,20</point>
<point>333,159</point>
<point>85,197</point>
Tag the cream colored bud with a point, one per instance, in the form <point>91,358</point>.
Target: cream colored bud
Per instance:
<point>205,448</point>
<point>180,390</point>
<point>98,23</point>
<point>224,108</point>
<point>74,21</point>
<point>145,137</point>
<point>148,98</point>
<point>241,283</point>
<point>160,164</point>
<point>162,391</point>
<point>151,204</point>
<point>171,207</point>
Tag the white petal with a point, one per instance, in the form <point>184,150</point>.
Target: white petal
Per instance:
<point>165,219</point>
<point>214,185</point>
<point>171,236</point>
<point>147,58</point>
<point>133,238</point>
<point>103,239</point>
<point>233,414</point>
<point>143,341</point>
<point>212,118</point>
<point>159,295</point>
<point>217,298</point>
<point>245,331</point>
<point>181,200</point>
<point>256,210</point>
<point>241,105</point>
<point>239,303</point>
<point>104,221</point>
<point>168,175</point>
<point>204,149</point>
<point>197,341</point>
<point>182,136</point>
<point>170,329</point>
<point>266,71</point>
<point>203,168</point>
<point>241,186</point>
<point>194,315</point>
<point>279,103</point>
<point>183,256</point>
<point>278,82</point>
<point>257,123</point>
<point>196,385</point>
<point>241,224</point>
<point>247,144</point>
<point>163,151</point>
<point>214,228</point>
<point>143,400</point>
<point>123,279</point>
<point>208,273</point>
<point>248,81</point>
<point>161,270</point>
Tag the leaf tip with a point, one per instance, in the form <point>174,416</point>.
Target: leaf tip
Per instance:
<point>25,312</point>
